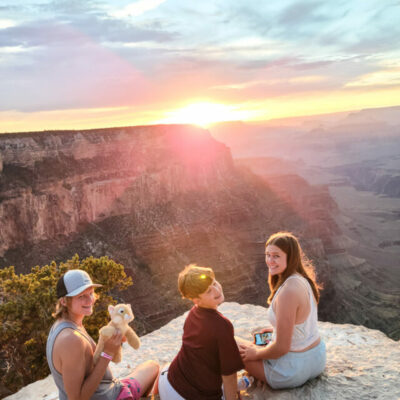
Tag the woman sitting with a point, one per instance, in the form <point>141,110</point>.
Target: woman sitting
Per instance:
<point>70,349</point>
<point>296,352</point>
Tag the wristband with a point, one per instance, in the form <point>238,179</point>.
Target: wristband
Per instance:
<point>105,355</point>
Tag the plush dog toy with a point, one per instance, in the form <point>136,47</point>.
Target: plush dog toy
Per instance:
<point>121,315</point>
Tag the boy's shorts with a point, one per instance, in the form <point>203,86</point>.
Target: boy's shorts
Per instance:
<point>131,389</point>
<point>294,369</point>
<point>165,389</point>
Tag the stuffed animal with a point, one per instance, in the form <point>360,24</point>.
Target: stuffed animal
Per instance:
<point>121,315</point>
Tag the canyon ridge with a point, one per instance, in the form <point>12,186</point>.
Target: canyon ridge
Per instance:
<point>156,198</point>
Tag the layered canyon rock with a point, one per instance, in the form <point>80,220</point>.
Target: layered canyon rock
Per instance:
<point>354,158</point>
<point>155,199</point>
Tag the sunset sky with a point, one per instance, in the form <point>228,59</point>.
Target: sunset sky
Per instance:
<point>95,63</point>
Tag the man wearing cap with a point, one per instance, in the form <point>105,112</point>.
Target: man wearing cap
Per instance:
<point>70,349</point>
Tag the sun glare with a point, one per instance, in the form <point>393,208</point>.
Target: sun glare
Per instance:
<point>204,114</point>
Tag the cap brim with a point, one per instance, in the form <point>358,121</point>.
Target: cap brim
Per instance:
<point>81,289</point>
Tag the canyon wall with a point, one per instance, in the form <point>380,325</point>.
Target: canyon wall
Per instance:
<point>155,199</point>
<point>353,158</point>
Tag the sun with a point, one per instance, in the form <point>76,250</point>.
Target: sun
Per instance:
<point>204,114</point>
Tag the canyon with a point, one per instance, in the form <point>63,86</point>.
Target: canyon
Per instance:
<point>354,156</point>
<point>156,198</point>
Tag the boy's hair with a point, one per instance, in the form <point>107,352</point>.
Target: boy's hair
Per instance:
<point>194,280</point>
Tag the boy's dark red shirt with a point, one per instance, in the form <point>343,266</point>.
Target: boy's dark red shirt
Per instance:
<point>208,351</point>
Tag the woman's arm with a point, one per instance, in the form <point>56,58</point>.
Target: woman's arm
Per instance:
<point>287,305</point>
<point>77,384</point>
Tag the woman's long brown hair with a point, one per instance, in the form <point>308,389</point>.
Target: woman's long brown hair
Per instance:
<point>296,263</point>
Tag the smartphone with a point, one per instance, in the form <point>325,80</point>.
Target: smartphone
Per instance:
<point>262,339</point>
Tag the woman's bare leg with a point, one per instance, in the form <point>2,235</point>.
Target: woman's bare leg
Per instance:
<point>256,369</point>
<point>146,375</point>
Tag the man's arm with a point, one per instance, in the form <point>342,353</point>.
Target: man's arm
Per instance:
<point>230,386</point>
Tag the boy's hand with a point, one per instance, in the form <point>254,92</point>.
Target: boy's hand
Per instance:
<point>249,353</point>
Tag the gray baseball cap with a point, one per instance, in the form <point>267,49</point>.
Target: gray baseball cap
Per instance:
<point>73,282</point>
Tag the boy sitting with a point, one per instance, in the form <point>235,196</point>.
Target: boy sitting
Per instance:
<point>209,356</point>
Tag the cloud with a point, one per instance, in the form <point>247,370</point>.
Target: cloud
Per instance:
<point>6,23</point>
<point>293,63</point>
<point>98,53</point>
<point>49,32</point>
<point>376,31</point>
<point>68,7</point>
<point>137,8</point>
<point>69,70</point>
<point>40,33</point>
<point>386,77</point>
<point>310,79</point>
<point>302,13</point>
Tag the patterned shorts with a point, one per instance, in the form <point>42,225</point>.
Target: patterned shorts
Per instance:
<point>131,389</point>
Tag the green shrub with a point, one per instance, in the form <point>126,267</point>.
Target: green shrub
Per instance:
<point>26,304</point>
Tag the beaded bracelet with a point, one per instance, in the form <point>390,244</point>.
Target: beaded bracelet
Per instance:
<point>105,355</point>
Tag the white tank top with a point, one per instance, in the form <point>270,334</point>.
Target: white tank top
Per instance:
<point>306,333</point>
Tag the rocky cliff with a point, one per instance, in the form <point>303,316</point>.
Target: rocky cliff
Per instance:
<point>370,176</point>
<point>358,288</point>
<point>361,363</point>
<point>154,199</point>
<point>53,183</point>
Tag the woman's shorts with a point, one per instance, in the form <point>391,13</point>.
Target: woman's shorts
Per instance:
<point>131,389</point>
<point>294,369</point>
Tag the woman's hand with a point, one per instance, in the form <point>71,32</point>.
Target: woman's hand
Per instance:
<point>249,353</point>
<point>113,344</point>
<point>262,329</point>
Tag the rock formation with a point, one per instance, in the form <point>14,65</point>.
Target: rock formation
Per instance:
<point>370,176</point>
<point>361,363</point>
<point>156,198</point>
<point>152,198</point>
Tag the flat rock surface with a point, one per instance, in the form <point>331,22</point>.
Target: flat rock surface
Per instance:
<point>361,363</point>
